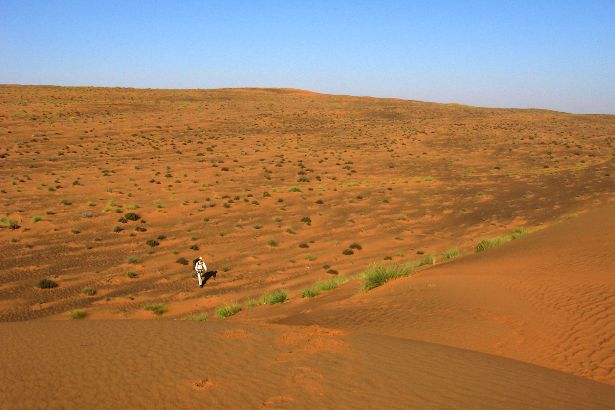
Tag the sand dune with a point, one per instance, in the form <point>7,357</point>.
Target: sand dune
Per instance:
<point>547,299</point>
<point>172,364</point>
<point>110,193</point>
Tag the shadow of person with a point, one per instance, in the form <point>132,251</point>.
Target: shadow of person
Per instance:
<point>209,274</point>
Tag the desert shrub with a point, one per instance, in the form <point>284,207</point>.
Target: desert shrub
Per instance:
<point>75,231</point>
<point>152,243</point>
<point>37,218</point>
<point>226,268</point>
<point>377,275</point>
<point>9,223</point>
<point>131,274</point>
<point>182,261</point>
<point>276,296</point>
<point>450,254</point>
<point>156,308</point>
<point>332,272</point>
<point>88,291</point>
<point>123,220</point>
<point>272,242</point>
<point>161,237</point>
<point>304,245</point>
<point>294,189</point>
<point>355,246</point>
<point>308,293</point>
<point>307,220</point>
<point>140,229</point>
<point>134,259</point>
<point>47,284</point>
<point>228,310</point>
<point>194,247</point>
<point>518,233</point>
<point>66,202</point>
<point>348,251</point>
<point>132,216</point>
<point>117,229</point>
<point>78,314</point>
<point>310,257</point>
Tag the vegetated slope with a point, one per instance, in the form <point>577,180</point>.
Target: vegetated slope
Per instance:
<point>181,364</point>
<point>546,299</point>
<point>270,186</point>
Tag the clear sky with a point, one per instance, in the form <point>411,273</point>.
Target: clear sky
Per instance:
<point>548,54</point>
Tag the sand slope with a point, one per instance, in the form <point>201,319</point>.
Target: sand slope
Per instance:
<point>172,364</point>
<point>547,299</point>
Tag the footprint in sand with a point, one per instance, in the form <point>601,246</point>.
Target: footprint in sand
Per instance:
<point>203,384</point>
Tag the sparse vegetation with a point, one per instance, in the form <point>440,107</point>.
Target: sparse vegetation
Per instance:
<point>323,286</point>
<point>495,242</point>
<point>450,254</point>
<point>89,291</point>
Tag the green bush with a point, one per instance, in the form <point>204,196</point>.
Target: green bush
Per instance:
<point>152,243</point>
<point>131,274</point>
<point>228,310</point>
<point>276,296</point>
<point>377,275</point>
<point>132,216</point>
<point>37,218</point>
<point>156,308</point>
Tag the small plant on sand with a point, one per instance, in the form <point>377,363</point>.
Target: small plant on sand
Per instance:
<point>426,260</point>
<point>37,218</point>
<point>198,318</point>
<point>276,296</point>
<point>228,310</point>
<point>78,314</point>
<point>131,274</point>
<point>272,243</point>
<point>153,243</point>
<point>251,303</point>
<point>355,246</point>
<point>182,261</point>
<point>131,216</point>
<point>323,286</point>
<point>495,242</point>
<point>134,259</point>
<point>89,291</point>
<point>156,308</point>
<point>377,275</point>
<point>348,251</point>
<point>450,254</point>
<point>47,284</point>
<point>9,223</point>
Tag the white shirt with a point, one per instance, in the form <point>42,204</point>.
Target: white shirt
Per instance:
<point>200,266</point>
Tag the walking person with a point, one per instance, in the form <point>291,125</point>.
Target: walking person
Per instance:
<point>201,269</point>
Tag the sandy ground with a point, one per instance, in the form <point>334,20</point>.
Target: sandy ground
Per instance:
<point>272,187</point>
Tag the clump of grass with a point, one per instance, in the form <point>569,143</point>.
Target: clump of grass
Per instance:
<point>198,318</point>
<point>89,291</point>
<point>182,261</point>
<point>134,259</point>
<point>495,242</point>
<point>152,243</point>
<point>37,218</point>
<point>348,251</point>
<point>426,260</point>
<point>228,310</point>
<point>294,189</point>
<point>132,274</point>
<point>377,275</point>
<point>156,308</point>
<point>276,296</point>
<point>47,284</point>
<point>323,286</point>
<point>78,314</point>
<point>450,254</point>
<point>272,243</point>
<point>251,303</point>
<point>355,246</point>
<point>117,229</point>
<point>310,257</point>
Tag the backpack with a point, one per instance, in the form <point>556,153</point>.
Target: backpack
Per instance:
<point>194,263</point>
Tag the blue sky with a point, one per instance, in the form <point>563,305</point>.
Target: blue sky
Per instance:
<point>547,54</point>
